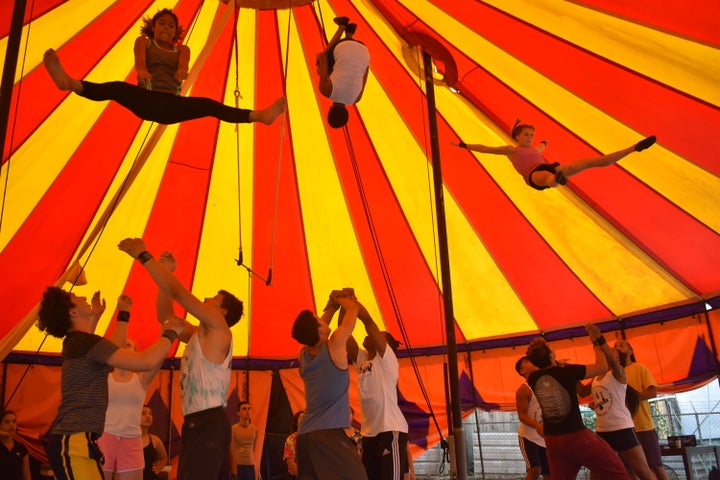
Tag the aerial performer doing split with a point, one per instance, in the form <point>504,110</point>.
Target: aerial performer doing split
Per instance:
<point>529,162</point>
<point>162,64</point>
<point>343,71</point>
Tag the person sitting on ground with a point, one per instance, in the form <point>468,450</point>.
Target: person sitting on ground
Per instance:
<point>161,64</point>
<point>343,70</point>
<point>537,173</point>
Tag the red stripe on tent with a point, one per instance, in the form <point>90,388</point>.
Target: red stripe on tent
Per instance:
<point>285,245</point>
<point>640,102</point>
<point>44,245</point>
<point>699,19</point>
<point>38,94</point>
<point>39,8</point>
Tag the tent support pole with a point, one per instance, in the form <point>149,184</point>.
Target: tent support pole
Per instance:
<point>8,76</point>
<point>457,429</point>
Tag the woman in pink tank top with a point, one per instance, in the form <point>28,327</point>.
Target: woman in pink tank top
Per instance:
<point>537,172</point>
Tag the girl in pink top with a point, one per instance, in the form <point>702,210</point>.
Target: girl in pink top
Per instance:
<point>529,162</point>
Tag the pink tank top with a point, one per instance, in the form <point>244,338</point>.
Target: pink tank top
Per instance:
<point>525,160</point>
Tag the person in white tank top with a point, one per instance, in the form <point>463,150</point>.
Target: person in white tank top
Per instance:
<point>121,441</point>
<point>610,401</point>
<point>343,70</point>
<point>205,367</point>
<point>530,429</point>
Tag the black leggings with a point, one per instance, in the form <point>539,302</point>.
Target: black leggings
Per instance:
<point>161,107</point>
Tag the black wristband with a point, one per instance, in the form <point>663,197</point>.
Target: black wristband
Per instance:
<point>143,257</point>
<point>123,316</point>
<point>600,341</point>
<point>170,335</point>
<point>462,145</point>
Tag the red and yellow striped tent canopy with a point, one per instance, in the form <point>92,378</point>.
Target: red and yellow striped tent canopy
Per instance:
<point>635,246</point>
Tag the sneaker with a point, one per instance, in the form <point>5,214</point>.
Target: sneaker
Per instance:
<point>647,143</point>
<point>341,20</point>
<point>350,28</point>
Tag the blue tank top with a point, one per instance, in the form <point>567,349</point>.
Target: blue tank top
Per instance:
<point>326,392</point>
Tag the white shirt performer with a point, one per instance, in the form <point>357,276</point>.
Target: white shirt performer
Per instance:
<point>383,426</point>
<point>343,70</point>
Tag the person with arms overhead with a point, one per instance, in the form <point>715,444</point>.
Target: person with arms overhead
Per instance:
<point>86,361</point>
<point>323,450</point>
<point>205,365</point>
<point>382,424</point>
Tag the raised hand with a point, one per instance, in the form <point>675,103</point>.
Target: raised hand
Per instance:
<point>98,305</point>
<point>168,260</point>
<point>132,246</point>
<point>124,303</point>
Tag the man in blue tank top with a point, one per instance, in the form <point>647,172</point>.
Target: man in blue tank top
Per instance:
<point>323,450</point>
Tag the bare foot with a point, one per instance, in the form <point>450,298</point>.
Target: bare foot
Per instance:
<point>57,72</point>
<point>269,114</point>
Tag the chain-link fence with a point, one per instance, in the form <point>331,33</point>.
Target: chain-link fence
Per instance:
<point>492,443</point>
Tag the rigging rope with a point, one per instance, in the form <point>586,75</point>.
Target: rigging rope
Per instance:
<point>15,116</point>
<point>273,228</point>
<point>280,150</point>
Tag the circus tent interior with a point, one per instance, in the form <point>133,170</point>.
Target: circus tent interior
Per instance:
<point>282,214</point>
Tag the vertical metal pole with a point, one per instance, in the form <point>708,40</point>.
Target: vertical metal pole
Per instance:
<point>457,429</point>
<point>8,76</point>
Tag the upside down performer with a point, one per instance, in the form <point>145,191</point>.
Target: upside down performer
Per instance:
<point>343,71</point>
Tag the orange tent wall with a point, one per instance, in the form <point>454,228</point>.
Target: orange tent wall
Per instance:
<point>680,353</point>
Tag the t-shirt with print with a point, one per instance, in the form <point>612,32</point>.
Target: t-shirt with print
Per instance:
<point>555,390</point>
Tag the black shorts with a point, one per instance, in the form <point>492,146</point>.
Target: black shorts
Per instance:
<point>620,440</point>
<point>385,455</point>
<point>205,445</point>
<point>534,455</point>
<point>545,167</point>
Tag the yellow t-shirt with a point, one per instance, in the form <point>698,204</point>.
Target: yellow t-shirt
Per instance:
<point>640,378</point>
